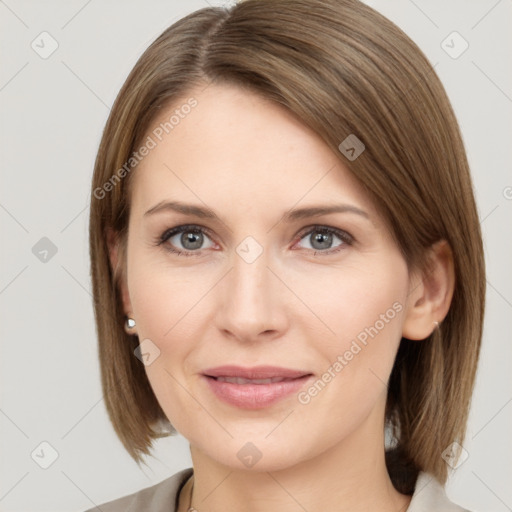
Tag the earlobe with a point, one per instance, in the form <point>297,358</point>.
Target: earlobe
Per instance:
<point>116,257</point>
<point>430,293</point>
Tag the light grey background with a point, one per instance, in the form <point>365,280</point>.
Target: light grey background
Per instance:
<point>52,114</point>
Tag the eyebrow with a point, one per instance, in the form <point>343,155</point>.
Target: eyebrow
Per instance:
<point>289,216</point>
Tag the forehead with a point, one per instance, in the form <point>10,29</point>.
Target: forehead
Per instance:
<point>223,142</point>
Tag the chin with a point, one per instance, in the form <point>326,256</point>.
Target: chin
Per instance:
<point>254,453</point>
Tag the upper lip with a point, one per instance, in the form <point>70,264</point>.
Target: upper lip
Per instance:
<point>256,372</point>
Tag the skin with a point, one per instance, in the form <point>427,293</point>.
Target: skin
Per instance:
<point>250,161</point>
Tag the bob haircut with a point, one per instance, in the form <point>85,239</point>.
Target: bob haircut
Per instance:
<point>341,68</point>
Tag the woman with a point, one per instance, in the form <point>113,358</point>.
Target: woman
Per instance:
<point>287,263</point>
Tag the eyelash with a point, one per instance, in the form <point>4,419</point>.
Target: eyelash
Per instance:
<point>345,237</point>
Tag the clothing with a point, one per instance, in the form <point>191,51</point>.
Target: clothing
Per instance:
<point>428,496</point>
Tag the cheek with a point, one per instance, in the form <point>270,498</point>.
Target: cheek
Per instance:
<point>162,295</point>
<point>167,307</point>
<point>357,301</point>
<point>362,308</point>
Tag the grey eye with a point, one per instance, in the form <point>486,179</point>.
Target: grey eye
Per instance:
<point>189,240</point>
<point>321,239</point>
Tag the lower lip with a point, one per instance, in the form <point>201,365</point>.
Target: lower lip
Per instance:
<point>255,396</point>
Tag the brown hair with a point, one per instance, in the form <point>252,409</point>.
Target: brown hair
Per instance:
<point>341,68</point>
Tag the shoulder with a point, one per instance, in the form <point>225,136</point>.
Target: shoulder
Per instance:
<point>157,498</point>
<point>429,496</point>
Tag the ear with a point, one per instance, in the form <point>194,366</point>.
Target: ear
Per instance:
<point>430,293</point>
<point>115,255</point>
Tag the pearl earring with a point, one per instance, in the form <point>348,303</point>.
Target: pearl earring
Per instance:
<point>130,323</point>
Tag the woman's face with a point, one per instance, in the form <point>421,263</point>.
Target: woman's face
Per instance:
<point>258,277</point>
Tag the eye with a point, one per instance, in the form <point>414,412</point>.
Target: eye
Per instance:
<point>189,240</point>
<point>185,240</point>
<point>323,239</point>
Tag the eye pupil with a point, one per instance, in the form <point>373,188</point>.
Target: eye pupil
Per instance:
<point>323,239</point>
<point>195,239</point>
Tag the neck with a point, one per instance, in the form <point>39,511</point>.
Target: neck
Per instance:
<point>350,476</point>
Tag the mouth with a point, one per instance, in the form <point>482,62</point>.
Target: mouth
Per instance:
<point>241,380</point>
<point>265,374</point>
<point>254,388</point>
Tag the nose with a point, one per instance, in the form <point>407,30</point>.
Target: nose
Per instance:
<point>251,301</point>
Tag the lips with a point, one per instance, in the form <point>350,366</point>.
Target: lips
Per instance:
<point>253,375</point>
<point>240,380</point>
<point>254,388</point>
